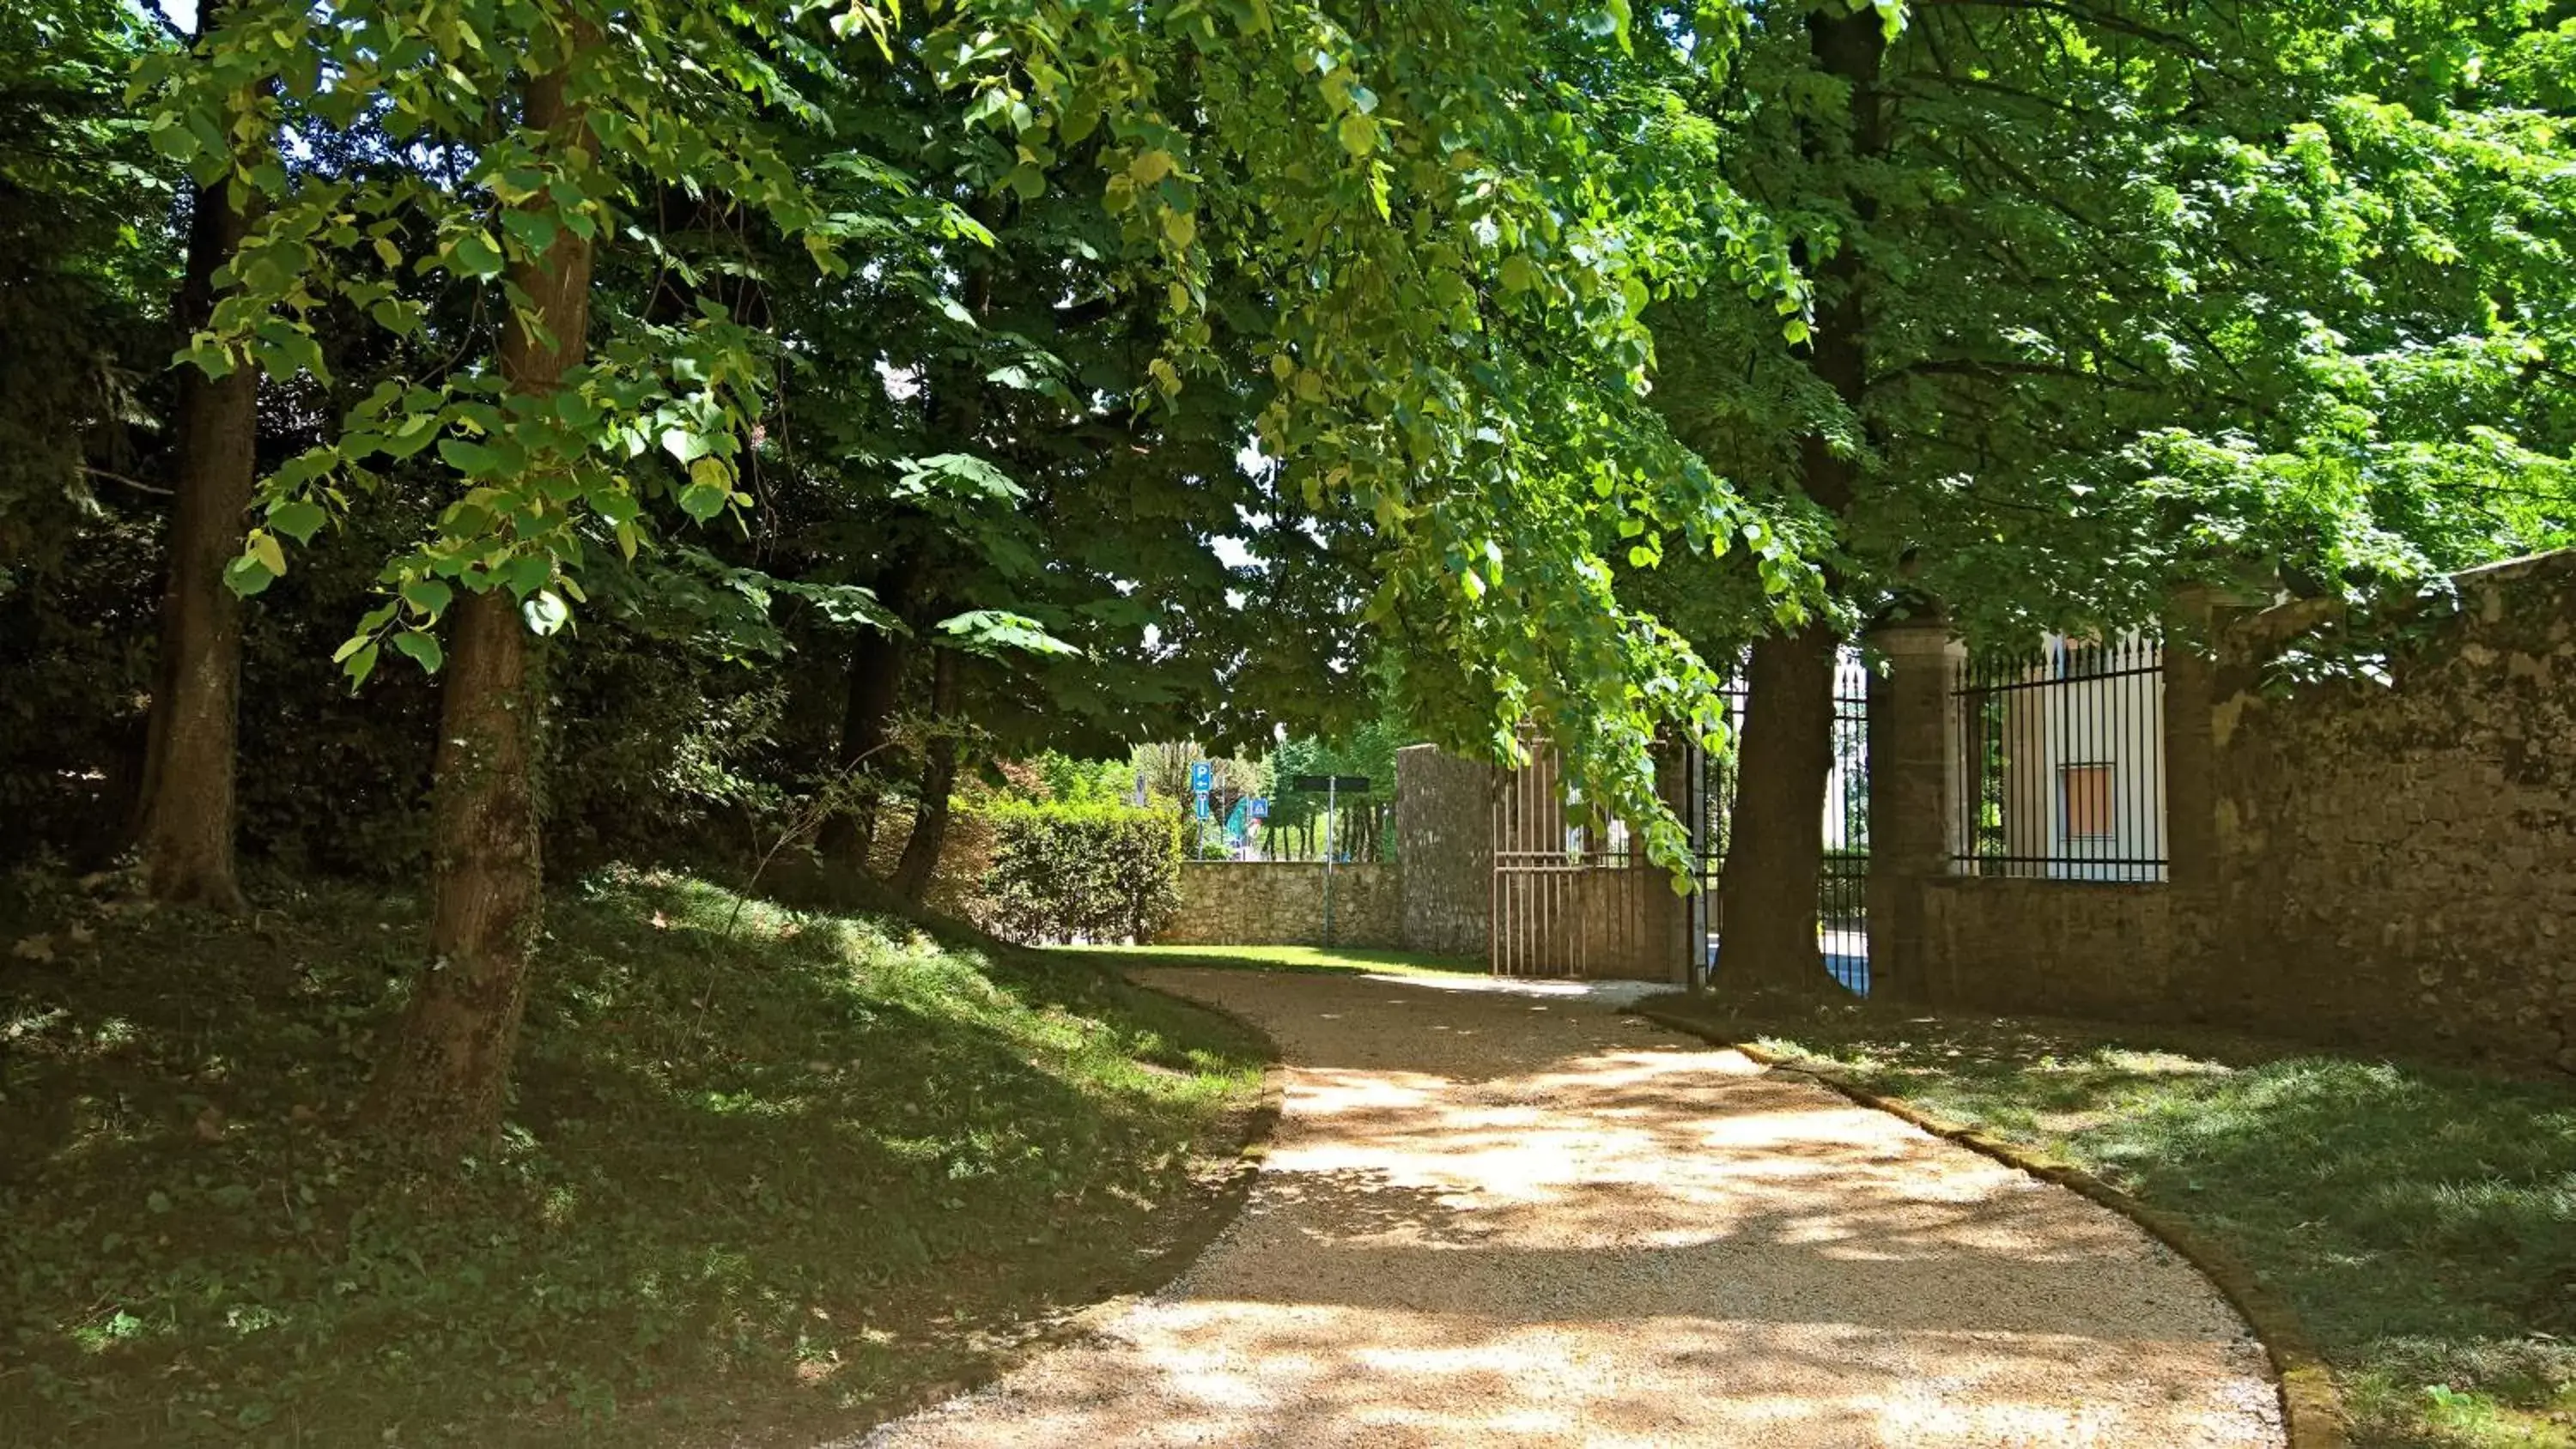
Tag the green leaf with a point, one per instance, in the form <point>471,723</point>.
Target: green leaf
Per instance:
<point>994,631</point>
<point>430,596</point>
<point>703,501</point>
<point>260,544</point>
<point>421,648</point>
<point>1358,132</point>
<point>298,519</point>
<point>533,230</point>
<point>475,254</point>
<point>685,445</point>
<point>471,459</point>
<point>361,663</point>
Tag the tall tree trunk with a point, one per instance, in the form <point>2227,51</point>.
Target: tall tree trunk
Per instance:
<point>186,824</point>
<point>867,724</point>
<point>446,1082</point>
<point>912,874</point>
<point>1776,832</point>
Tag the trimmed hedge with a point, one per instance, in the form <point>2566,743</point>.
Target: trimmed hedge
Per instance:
<point>1093,873</point>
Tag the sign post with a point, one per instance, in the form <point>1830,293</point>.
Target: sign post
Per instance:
<point>1332,786</point>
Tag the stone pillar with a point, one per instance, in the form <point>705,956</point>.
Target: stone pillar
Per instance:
<point>2195,688</point>
<point>1913,798</point>
<point>1444,835</point>
<point>2191,749</point>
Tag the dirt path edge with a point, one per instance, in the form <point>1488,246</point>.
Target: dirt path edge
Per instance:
<point>2312,1410</point>
<point>1210,1217</point>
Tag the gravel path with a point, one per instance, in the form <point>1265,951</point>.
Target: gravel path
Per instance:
<point>1520,1219</point>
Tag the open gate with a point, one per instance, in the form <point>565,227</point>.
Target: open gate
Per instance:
<point>1842,886</point>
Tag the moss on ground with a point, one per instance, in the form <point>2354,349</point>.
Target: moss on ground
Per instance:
<point>769,1174</point>
<point>2420,1218</point>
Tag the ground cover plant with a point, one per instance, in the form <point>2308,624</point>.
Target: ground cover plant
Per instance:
<point>2419,1217</point>
<point>768,1174</point>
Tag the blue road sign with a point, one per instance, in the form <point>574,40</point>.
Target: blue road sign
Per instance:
<point>1204,812</point>
<point>1258,807</point>
<point>1203,776</point>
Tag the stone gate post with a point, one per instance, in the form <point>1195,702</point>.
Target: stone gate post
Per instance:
<point>2195,621</point>
<point>1913,797</point>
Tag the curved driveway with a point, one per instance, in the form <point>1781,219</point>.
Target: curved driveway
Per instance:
<point>1498,1217</point>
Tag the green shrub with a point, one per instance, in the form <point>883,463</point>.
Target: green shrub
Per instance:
<point>1088,872</point>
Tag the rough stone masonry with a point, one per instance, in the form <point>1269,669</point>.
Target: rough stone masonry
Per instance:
<point>2397,858</point>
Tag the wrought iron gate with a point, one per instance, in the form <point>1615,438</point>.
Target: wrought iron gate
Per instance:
<point>1572,895</point>
<point>1842,885</point>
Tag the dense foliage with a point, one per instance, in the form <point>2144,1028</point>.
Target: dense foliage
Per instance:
<point>457,442</point>
<point>762,424</point>
<point>1081,872</point>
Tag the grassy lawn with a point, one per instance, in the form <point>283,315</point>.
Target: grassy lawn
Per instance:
<point>757,1187</point>
<point>2420,1219</point>
<point>1282,958</point>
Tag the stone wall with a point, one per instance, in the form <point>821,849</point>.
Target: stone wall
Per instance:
<point>1281,903</point>
<point>1444,829</point>
<point>2396,862</point>
<point>2385,862</point>
<point>2048,947</point>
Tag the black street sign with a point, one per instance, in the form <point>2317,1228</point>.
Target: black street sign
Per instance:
<point>1339,784</point>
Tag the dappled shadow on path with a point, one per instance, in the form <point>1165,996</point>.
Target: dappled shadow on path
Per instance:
<point>1492,1220</point>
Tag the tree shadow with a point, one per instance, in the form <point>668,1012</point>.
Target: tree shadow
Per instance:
<point>2419,1215</point>
<point>1484,1222</point>
<point>755,1185</point>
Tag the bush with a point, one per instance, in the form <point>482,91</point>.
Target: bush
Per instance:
<point>1081,872</point>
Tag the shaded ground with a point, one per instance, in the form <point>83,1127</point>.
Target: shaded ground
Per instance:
<point>2419,1217</point>
<point>770,1175</point>
<point>1511,1217</point>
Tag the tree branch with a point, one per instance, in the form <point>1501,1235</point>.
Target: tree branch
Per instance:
<point>137,485</point>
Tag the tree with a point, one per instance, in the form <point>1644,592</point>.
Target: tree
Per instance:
<point>538,429</point>
<point>453,1051</point>
<point>1446,396</point>
<point>187,816</point>
<point>2103,306</point>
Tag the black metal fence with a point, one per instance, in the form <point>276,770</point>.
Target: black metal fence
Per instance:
<point>1842,886</point>
<point>2063,763</point>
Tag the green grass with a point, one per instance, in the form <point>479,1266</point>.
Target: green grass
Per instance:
<point>756,1188</point>
<point>1346,959</point>
<point>2421,1219</point>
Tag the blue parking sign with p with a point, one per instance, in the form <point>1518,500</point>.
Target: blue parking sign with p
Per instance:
<point>1203,777</point>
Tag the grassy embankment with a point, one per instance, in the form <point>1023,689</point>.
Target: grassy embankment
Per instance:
<point>2420,1218</point>
<point>765,1178</point>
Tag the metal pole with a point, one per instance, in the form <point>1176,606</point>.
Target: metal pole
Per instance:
<point>1332,785</point>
